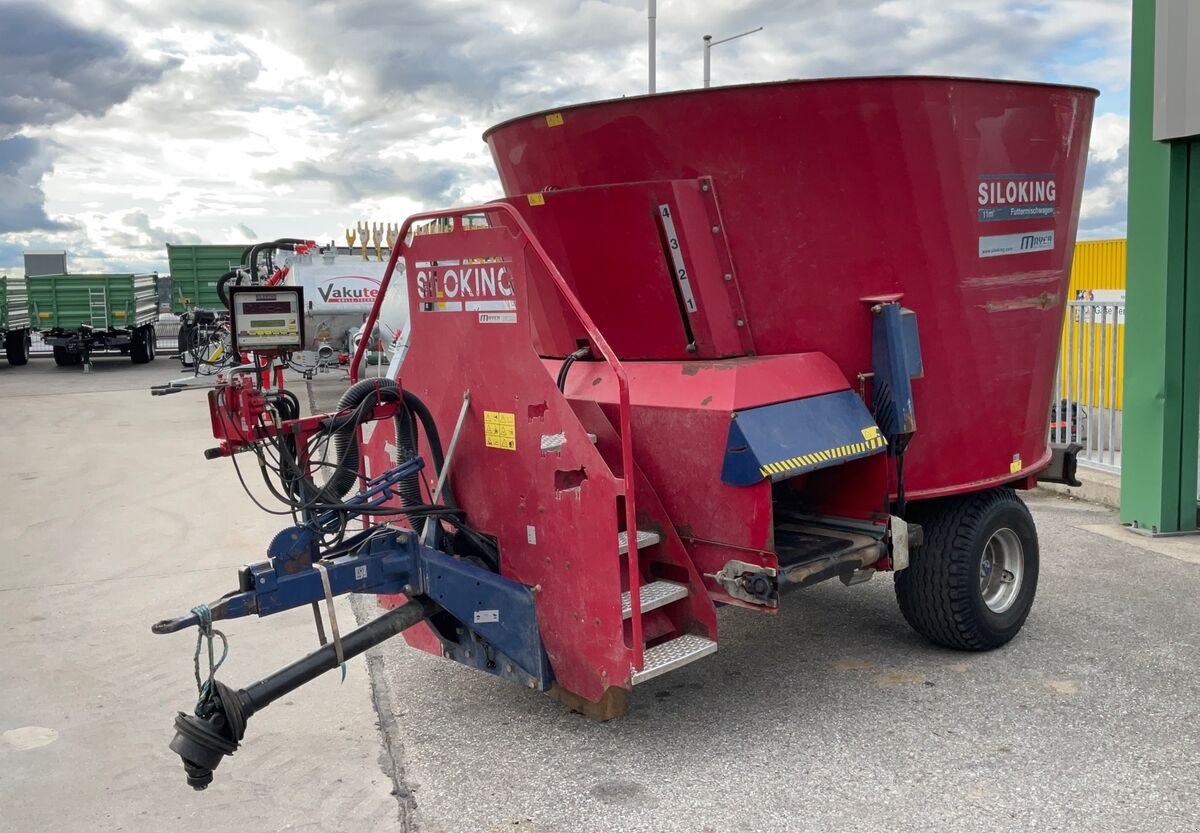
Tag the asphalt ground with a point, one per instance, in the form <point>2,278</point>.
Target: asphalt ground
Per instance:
<point>110,519</point>
<point>830,716</point>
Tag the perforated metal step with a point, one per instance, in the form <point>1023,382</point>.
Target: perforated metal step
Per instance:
<point>656,594</point>
<point>645,538</point>
<point>673,654</point>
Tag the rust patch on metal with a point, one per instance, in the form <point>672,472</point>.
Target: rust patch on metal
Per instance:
<point>1042,302</point>
<point>1017,279</point>
<point>692,368</point>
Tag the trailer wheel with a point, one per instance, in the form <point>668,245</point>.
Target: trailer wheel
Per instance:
<point>65,358</point>
<point>141,348</point>
<point>971,583</point>
<point>16,347</point>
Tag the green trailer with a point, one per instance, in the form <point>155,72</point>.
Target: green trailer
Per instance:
<point>14,320</point>
<point>195,271</point>
<point>80,314</point>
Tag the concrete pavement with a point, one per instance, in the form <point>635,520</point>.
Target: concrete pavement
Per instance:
<point>110,519</point>
<point>834,716</point>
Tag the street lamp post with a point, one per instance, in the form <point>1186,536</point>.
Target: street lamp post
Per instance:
<point>652,19</point>
<point>709,43</point>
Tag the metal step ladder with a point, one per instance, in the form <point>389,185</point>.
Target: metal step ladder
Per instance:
<point>673,653</point>
<point>98,307</point>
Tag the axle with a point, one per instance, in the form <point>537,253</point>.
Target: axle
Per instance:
<point>201,741</point>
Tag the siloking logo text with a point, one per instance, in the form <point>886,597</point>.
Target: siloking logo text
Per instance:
<point>455,288</point>
<point>1016,197</point>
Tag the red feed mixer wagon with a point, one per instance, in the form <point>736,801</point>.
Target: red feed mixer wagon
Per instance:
<point>712,346</point>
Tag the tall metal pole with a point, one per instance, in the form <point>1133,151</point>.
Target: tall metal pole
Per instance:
<point>709,43</point>
<point>652,16</point>
<point>707,59</point>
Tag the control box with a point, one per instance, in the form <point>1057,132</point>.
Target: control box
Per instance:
<point>267,319</point>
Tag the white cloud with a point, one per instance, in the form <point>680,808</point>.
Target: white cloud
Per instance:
<point>296,119</point>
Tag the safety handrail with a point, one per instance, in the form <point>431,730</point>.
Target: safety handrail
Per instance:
<point>610,358</point>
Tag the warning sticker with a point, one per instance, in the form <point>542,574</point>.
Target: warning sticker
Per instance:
<point>870,432</point>
<point>500,430</point>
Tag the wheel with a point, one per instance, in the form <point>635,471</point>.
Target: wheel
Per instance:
<point>16,347</point>
<point>65,358</point>
<point>151,342</point>
<point>141,348</point>
<point>971,583</point>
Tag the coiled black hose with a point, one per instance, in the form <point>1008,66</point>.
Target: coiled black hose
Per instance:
<point>345,444</point>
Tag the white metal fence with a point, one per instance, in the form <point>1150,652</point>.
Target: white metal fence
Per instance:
<point>1087,404</point>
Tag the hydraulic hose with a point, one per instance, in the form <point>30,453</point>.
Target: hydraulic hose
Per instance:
<point>565,369</point>
<point>221,281</point>
<point>346,448</point>
<point>285,243</point>
<point>345,445</point>
<point>413,403</point>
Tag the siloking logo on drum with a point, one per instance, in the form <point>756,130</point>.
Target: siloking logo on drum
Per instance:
<point>1016,197</point>
<point>343,290</point>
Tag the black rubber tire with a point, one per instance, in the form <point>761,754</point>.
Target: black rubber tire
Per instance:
<point>152,341</point>
<point>939,593</point>
<point>140,347</point>
<point>16,347</point>
<point>65,358</point>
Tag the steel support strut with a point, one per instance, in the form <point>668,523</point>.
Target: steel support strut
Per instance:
<point>201,742</point>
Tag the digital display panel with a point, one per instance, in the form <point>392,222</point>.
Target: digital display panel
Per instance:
<point>257,307</point>
<point>270,321</point>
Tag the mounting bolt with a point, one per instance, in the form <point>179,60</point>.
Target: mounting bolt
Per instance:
<point>532,683</point>
<point>703,186</point>
<point>508,669</point>
<point>716,229</point>
<point>467,654</point>
<point>741,323</point>
<point>728,276</point>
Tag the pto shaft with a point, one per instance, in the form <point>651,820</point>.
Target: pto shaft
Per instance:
<point>201,742</point>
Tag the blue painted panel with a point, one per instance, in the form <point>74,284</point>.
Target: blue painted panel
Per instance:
<point>895,360</point>
<point>790,438</point>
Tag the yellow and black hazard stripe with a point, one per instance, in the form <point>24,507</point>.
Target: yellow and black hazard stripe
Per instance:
<point>820,459</point>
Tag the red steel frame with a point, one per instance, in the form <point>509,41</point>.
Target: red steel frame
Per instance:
<point>625,422</point>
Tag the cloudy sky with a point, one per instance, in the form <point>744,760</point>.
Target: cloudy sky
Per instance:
<point>127,124</point>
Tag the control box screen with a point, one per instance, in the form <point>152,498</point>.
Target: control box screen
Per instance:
<point>267,320</point>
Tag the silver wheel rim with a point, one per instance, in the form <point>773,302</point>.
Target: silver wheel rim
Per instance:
<point>1001,570</point>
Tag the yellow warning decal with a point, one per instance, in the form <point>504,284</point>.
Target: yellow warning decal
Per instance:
<point>500,430</point>
<point>870,432</point>
<point>554,120</point>
<point>537,199</point>
<point>805,461</point>
<point>1016,465</point>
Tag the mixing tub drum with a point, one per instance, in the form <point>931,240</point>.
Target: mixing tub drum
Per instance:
<point>958,197</point>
